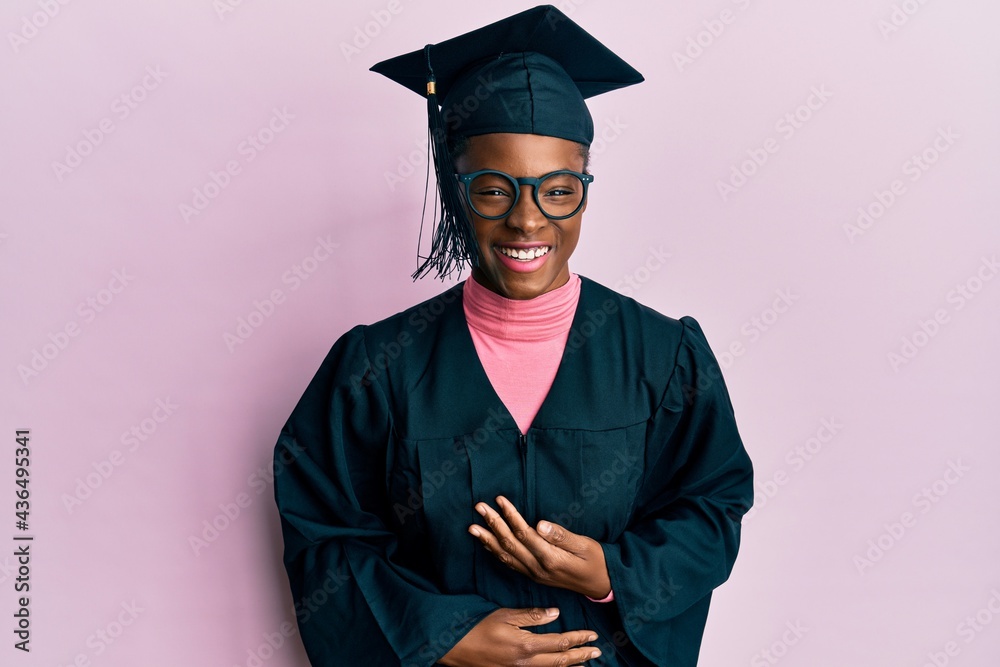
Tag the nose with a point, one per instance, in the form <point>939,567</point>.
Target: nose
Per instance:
<point>526,216</point>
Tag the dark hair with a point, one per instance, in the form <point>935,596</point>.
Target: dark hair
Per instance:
<point>458,147</point>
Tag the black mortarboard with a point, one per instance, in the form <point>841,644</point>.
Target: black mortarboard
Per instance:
<point>528,74</point>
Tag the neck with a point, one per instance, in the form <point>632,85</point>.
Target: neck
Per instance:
<point>545,316</point>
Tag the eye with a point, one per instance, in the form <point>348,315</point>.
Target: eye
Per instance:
<point>491,186</point>
<point>491,192</point>
<point>559,186</point>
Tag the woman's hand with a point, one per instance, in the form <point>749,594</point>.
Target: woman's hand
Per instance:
<point>550,555</point>
<point>499,641</point>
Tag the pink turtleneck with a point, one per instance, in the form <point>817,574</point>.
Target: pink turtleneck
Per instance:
<point>520,344</point>
<point>520,341</point>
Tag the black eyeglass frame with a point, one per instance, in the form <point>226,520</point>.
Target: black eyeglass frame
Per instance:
<point>467,179</point>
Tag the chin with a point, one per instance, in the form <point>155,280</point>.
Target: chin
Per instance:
<point>524,285</point>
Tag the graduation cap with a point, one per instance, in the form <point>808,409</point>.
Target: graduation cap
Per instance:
<point>529,74</point>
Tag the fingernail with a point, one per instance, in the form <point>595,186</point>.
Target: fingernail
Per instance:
<point>545,527</point>
<point>592,638</point>
<point>552,611</point>
<point>481,509</point>
<point>474,531</point>
<point>596,653</point>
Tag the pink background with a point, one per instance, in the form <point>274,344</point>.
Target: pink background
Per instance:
<point>183,285</point>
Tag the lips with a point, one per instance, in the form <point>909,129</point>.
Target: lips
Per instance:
<point>523,257</point>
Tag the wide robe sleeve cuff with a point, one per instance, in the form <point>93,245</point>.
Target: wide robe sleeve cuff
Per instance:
<point>698,484</point>
<point>357,601</point>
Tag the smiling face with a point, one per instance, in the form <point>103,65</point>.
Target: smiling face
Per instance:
<point>525,227</point>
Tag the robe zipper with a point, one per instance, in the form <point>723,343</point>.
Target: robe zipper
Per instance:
<point>529,505</point>
<point>522,443</point>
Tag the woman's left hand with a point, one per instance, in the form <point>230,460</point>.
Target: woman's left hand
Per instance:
<point>550,555</point>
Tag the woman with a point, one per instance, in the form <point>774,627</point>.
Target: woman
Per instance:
<point>529,468</point>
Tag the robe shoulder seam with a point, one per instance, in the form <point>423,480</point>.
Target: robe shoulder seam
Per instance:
<point>383,396</point>
<point>675,363</point>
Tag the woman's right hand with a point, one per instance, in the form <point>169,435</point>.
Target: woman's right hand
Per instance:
<point>499,641</point>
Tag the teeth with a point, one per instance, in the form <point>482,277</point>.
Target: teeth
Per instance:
<point>525,255</point>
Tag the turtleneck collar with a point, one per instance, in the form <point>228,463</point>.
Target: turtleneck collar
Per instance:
<point>544,316</point>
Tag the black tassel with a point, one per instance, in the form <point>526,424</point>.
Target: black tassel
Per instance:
<point>454,236</point>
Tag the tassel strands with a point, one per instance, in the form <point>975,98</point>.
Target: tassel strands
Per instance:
<point>454,241</point>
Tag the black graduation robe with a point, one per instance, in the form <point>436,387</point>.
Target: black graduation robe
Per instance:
<point>400,433</point>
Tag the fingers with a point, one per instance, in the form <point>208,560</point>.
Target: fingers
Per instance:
<point>490,542</point>
<point>576,656</point>
<point>511,547</point>
<point>563,648</point>
<point>524,533</point>
<point>556,648</point>
<point>558,536</point>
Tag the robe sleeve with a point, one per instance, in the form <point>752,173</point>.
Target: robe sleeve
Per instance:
<point>685,532</point>
<point>357,602</point>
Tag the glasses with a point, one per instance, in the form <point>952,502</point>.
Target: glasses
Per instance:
<point>493,194</point>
